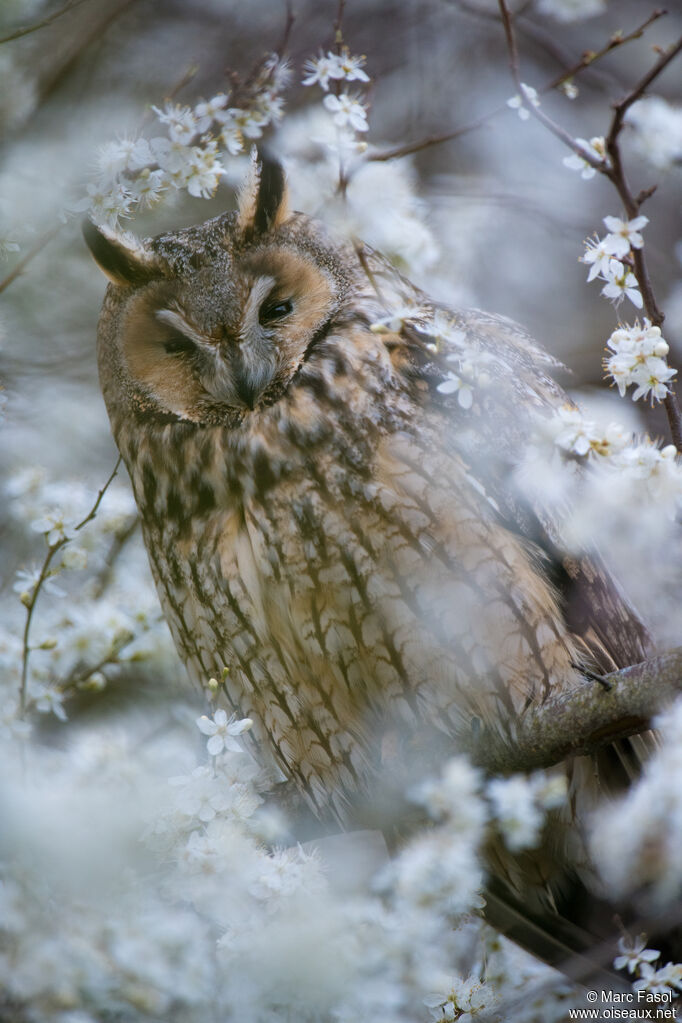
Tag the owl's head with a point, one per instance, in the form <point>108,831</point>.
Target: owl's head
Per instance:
<point>209,324</point>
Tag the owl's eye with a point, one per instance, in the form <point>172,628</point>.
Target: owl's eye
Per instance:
<point>270,311</point>
<point>177,344</point>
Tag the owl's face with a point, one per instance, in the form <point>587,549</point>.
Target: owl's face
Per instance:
<point>214,322</point>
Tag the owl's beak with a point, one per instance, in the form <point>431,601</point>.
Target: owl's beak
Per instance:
<point>252,371</point>
<point>246,391</point>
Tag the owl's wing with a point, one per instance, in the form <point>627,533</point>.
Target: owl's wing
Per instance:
<point>490,384</point>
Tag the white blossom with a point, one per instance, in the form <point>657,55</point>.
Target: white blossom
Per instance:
<point>318,70</point>
<point>515,807</point>
<point>596,148</point>
<point>222,732</point>
<point>633,952</point>
<point>639,358</point>
<point>182,124</point>
<point>621,283</point>
<point>521,101</point>
<point>347,111</point>
<point>624,234</point>
<point>657,128</point>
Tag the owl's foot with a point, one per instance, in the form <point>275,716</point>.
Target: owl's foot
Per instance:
<point>603,680</point>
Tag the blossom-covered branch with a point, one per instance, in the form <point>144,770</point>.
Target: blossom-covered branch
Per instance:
<point>57,535</point>
<point>604,156</point>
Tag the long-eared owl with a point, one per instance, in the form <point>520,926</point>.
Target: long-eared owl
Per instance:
<point>328,497</point>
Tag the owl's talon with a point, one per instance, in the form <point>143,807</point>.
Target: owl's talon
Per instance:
<point>603,680</point>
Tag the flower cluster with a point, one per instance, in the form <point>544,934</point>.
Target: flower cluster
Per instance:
<point>639,351</point>
<point>523,101</point>
<point>639,358</point>
<point>86,642</point>
<point>609,259</point>
<point>638,960</point>
<point>657,129</point>
<point>595,148</point>
<point>139,172</point>
<point>348,110</point>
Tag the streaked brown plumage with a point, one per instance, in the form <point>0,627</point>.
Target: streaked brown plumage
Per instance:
<point>319,517</point>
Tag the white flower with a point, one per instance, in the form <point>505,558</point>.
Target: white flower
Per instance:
<point>639,358</point>
<point>633,953</point>
<point>222,732</point>
<point>394,321</point>
<point>651,378</point>
<point>106,204</point>
<point>599,255</point>
<point>55,526</point>
<point>351,68</point>
<point>658,130</point>
<point>148,186</point>
<point>26,580</point>
<point>569,89</point>
<point>49,700</point>
<point>621,283</point>
<point>454,384</point>
<point>201,794</point>
<point>596,148</point>
<point>249,122</point>
<point>208,111</point>
<point>124,155</point>
<point>203,170</point>
<point>624,234</point>
<point>347,110</point>
<point>182,125</point>
<point>521,103</point>
<point>319,70</point>
<point>514,806</point>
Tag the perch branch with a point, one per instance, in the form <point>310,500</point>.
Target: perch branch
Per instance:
<point>584,720</point>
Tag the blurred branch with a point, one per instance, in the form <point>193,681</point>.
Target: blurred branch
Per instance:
<point>121,538</point>
<point>30,255</point>
<point>582,721</point>
<point>44,574</point>
<point>613,170</point>
<point>288,25</point>
<point>42,24</point>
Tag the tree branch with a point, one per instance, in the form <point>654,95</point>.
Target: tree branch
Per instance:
<point>20,32</point>
<point>582,721</point>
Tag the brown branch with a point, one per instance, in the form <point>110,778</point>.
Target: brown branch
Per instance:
<point>41,24</point>
<point>288,25</point>
<point>584,720</point>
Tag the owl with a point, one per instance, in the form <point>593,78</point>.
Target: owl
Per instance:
<point>326,464</point>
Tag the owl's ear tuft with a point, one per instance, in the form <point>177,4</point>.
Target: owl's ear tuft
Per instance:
<point>263,201</point>
<point>123,258</point>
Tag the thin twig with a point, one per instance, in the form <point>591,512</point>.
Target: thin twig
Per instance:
<point>44,572</point>
<point>42,24</point>
<point>288,25</point>
<point>30,255</point>
<point>582,721</point>
<point>591,56</point>
<point>121,538</point>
